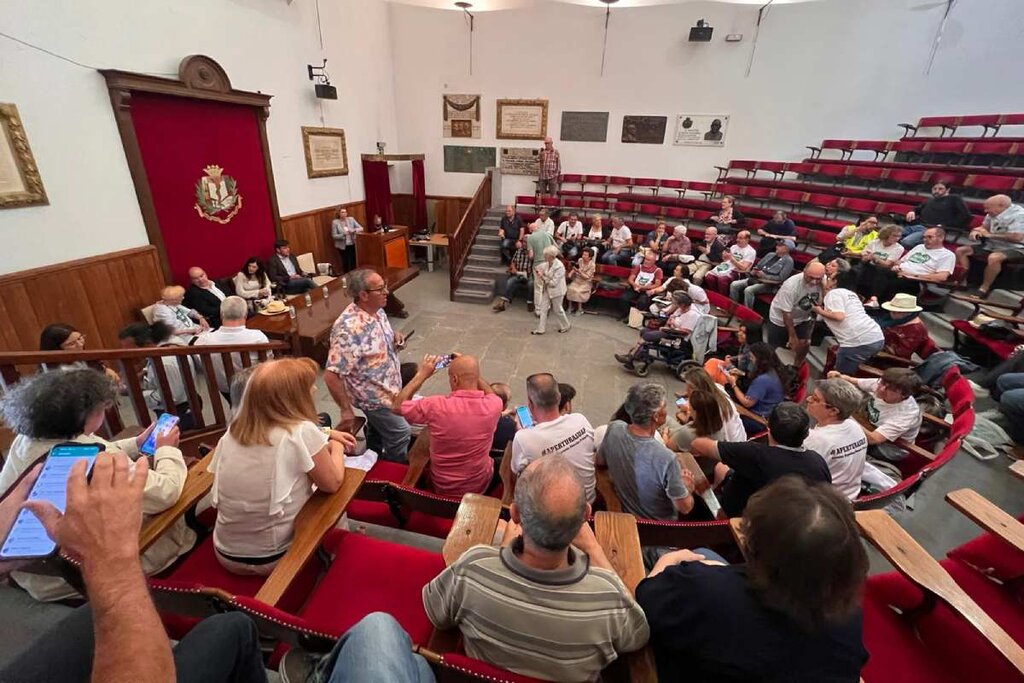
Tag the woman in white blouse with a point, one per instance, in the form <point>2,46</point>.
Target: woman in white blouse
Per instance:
<point>549,289</point>
<point>252,282</point>
<point>267,463</point>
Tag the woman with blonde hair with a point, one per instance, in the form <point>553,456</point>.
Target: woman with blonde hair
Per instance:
<point>549,289</point>
<point>707,411</point>
<point>267,463</point>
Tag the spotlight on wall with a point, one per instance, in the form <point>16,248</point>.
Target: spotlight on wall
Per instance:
<point>701,33</point>
<point>322,82</point>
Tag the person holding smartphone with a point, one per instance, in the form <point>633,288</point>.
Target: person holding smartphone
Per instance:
<point>58,407</point>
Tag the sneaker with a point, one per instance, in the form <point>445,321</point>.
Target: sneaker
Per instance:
<point>296,666</point>
<point>565,329</point>
<point>498,306</point>
<point>536,332</point>
<point>624,358</point>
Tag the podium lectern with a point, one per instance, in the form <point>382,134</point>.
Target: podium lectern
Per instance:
<point>388,254</point>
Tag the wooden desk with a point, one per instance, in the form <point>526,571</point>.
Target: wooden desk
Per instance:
<point>435,242</point>
<point>388,254</point>
<point>310,331</point>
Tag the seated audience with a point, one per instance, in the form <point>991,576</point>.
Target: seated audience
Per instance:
<point>647,478</point>
<point>619,245</point>
<point>738,360</point>
<point>891,408</point>
<point>140,336</point>
<point>595,235</point>
<point>549,290</point>
<point>709,254</point>
<point>566,394</point>
<point>185,323</point>
<point>284,272</point>
<point>204,296</point>
<point>789,317</point>
<point>1000,237</point>
<point>779,228</point>
<point>853,239</point>
<point>682,318</point>
<point>569,235</point>
<point>266,464</point>
<point>644,279</point>
<point>729,217</point>
<point>765,387</point>
<point>662,295</point>
<point>550,592</point>
<point>251,282</point>
<point>518,278</point>
<point>928,262</point>
<point>857,333</point>
<point>747,467</point>
<point>545,224</point>
<point>941,210</point>
<point>836,436</point>
<point>883,252</point>
<point>653,242</point>
<point>581,282</point>
<point>505,430</point>
<point>569,435</point>
<point>737,261</point>
<point>904,331</point>
<point>510,231</point>
<point>792,612</point>
<point>232,331</point>
<point>461,425</point>
<point>239,381</point>
<point>1010,394</point>
<point>344,229</point>
<point>771,271</point>
<point>706,410</point>
<point>673,250</point>
<point>64,337</point>
<point>51,408</point>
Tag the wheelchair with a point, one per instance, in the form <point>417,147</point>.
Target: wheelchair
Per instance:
<point>672,348</point>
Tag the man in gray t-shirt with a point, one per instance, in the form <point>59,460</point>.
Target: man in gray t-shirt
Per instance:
<point>789,318</point>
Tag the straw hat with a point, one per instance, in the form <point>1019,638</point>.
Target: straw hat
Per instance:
<point>902,303</point>
<point>274,307</point>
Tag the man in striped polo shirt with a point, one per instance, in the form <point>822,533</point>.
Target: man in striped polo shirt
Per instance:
<point>549,604</point>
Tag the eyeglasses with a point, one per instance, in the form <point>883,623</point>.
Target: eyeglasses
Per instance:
<point>383,289</point>
<point>814,398</point>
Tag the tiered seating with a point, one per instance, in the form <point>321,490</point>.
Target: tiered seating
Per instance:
<point>988,122</point>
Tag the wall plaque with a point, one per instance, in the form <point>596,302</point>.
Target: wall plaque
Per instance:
<point>701,130</point>
<point>460,116</point>
<point>464,159</point>
<point>585,126</point>
<point>648,130</point>
<point>520,161</point>
<point>522,119</point>
<point>325,152</point>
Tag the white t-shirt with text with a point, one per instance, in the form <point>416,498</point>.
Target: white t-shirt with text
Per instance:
<point>892,420</point>
<point>796,297</point>
<point>570,436</point>
<point>922,261</point>
<point>857,328</point>
<point>739,255</point>
<point>844,448</point>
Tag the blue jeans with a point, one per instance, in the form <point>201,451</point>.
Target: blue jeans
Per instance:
<point>514,284</point>
<point>611,257</point>
<point>393,431</point>
<point>710,555</point>
<point>376,650</point>
<point>1011,402</point>
<point>912,236</point>
<point>849,358</point>
<point>508,248</point>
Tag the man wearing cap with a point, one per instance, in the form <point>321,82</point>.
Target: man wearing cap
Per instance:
<point>766,276</point>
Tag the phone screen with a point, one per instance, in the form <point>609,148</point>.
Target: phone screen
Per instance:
<point>681,401</point>
<point>525,419</point>
<point>28,537</point>
<point>164,423</point>
<point>444,362</point>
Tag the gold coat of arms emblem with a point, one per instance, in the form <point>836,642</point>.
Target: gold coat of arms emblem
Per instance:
<point>217,197</point>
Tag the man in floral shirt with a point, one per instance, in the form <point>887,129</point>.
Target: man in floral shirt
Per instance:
<point>362,364</point>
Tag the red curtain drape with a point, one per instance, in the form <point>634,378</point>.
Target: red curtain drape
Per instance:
<point>179,138</point>
<point>378,191</point>
<point>419,195</point>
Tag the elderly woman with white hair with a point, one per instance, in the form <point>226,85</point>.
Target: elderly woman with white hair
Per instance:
<point>185,323</point>
<point>549,289</point>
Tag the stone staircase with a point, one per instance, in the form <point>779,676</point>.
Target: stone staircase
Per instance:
<point>484,272</point>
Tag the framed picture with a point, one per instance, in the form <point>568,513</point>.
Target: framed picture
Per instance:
<point>325,152</point>
<point>645,130</point>
<point>460,116</point>
<point>701,130</point>
<point>20,184</point>
<point>522,120</point>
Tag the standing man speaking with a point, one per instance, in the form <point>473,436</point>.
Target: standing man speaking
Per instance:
<point>550,169</point>
<point>362,364</point>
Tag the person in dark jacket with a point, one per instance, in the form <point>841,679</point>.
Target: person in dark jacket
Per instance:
<point>283,270</point>
<point>943,210</point>
<point>204,296</point>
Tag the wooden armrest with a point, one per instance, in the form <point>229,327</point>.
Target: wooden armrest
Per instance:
<point>914,449</point>
<point>904,553</point>
<point>475,523</point>
<point>937,421</point>
<point>978,302</point>
<point>607,489</point>
<point>742,410</point>
<point>1017,469</point>
<point>871,370</point>
<point>891,358</point>
<point>736,527</point>
<point>508,479</point>
<point>198,483</point>
<point>316,518</point>
<point>620,540</point>
<point>703,486</point>
<point>1005,318</point>
<point>419,458</point>
<point>988,516</point>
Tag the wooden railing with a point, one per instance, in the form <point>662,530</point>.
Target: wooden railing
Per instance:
<point>461,241</point>
<point>129,364</point>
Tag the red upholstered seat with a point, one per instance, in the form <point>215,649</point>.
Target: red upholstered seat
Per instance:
<point>481,671</point>
<point>991,555</point>
<point>1001,348</point>
<point>999,601</point>
<point>201,568</point>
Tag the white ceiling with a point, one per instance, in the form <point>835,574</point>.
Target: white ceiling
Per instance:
<point>488,5</point>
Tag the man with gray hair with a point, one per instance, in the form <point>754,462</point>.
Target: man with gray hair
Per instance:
<point>362,364</point>
<point>570,436</point>
<point>837,437</point>
<point>548,604</point>
<point>647,477</point>
<point>232,331</point>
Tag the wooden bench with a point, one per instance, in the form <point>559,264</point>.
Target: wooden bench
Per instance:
<point>988,516</point>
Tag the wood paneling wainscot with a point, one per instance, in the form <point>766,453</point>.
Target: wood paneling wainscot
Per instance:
<point>310,231</point>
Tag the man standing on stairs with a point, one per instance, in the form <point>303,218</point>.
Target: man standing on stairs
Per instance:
<point>550,169</point>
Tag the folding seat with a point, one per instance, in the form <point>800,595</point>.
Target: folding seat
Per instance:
<point>988,121</point>
<point>599,204</point>
<point>823,201</point>
<point>761,194</point>
<point>845,147</point>
<point>651,209</point>
<point>792,197</point>
<point>649,183</point>
<point>802,168</point>
<point>910,150</point>
<point>894,209</point>
<point>676,213</point>
<point>995,183</point>
<point>526,201</point>
<point>994,153</point>
<point>947,123</point>
<point>871,175</point>
<point>573,203</point>
<point>907,177</point>
<point>861,206</point>
<point>880,147</point>
<point>835,172</point>
<point>699,215</point>
<point>707,189</point>
<point>728,188</point>
<point>620,181</point>
<point>749,167</point>
<point>678,185</point>
<point>572,179</point>
<point>549,201</point>
<point>624,207</point>
<point>776,168</point>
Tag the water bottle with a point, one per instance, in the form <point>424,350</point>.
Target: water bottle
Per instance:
<point>291,312</point>
<point>326,292</point>
<point>309,300</point>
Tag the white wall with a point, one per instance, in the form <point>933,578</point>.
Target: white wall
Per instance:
<point>262,44</point>
<point>834,68</point>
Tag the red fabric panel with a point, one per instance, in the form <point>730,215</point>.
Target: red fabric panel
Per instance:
<point>377,186</point>
<point>419,193</point>
<point>201,568</point>
<point>482,670</point>
<point>895,654</point>
<point>999,601</point>
<point>179,137</point>
<point>992,555</point>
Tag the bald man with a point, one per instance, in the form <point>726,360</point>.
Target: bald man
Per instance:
<point>1000,237</point>
<point>789,318</point>
<point>461,424</point>
<point>204,296</point>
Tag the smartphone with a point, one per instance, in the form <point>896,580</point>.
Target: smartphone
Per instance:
<point>681,401</point>
<point>525,419</point>
<point>28,538</point>
<point>444,362</point>
<point>164,424</point>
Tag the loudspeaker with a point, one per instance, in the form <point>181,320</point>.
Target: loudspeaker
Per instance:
<point>326,92</point>
<point>701,34</point>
